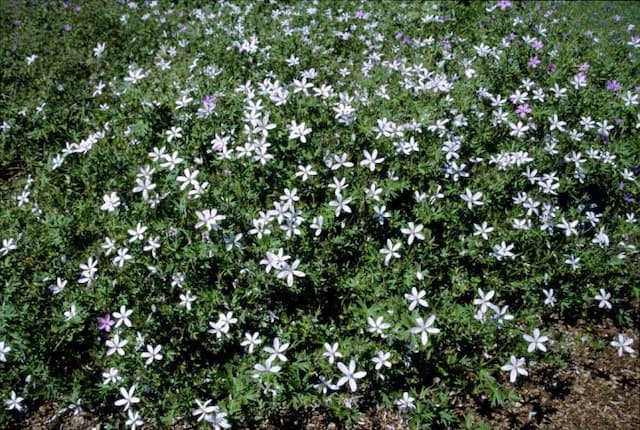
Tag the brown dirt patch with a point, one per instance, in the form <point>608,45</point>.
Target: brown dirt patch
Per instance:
<point>596,390</point>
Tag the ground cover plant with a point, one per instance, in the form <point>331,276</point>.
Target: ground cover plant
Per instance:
<point>217,214</point>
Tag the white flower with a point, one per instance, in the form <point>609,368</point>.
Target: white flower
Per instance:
<point>137,233</point>
<point>174,133</point>
<point>485,300</point>
<point>187,299</point>
<point>406,402</point>
<point>341,204</point>
<point>331,352</point>
<point>152,354</point>
<point>568,227</point>
<point>413,231</point>
<point>4,350</point>
<point>482,230</point>
<point>133,419</point>
<point>251,340</point>
<point>99,49</point>
<point>128,399</point>
<point>299,131</point>
<point>350,375</point>
<point>71,313</point>
<point>189,177</point>
<point>390,251</point>
<point>277,350</point>
<point>424,328</point>
<point>116,344</point>
<point>515,367</point>
<point>603,297</point>
<point>111,376</point>
<point>382,360</point>
<point>209,218</point>
<point>8,245</point>
<point>14,402</point>
<point>268,367</point>
<point>122,316</point>
<point>503,250</point>
<point>370,159</point>
<point>111,202</point>
<point>472,199</point>
<point>536,341</point>
<point>416,298</point>
<point>623,344</point>
<point>122,257</point>
<point>601,238</point>
<point>204,411</point>
<point>377,326</point>
<point>289,271</point>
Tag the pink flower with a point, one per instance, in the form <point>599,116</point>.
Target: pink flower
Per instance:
<point>523,110</point>
<point>534,62</point>
<point>105,323</point>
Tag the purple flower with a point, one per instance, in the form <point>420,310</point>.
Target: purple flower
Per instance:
<point>66,27</point>
<point>628,198</point>
<point>360,14</point>
<point>65,4</point>
<point>523,110</point>
<point>613,85</point>
<point>537,45</point>
<point>105,322</point>
<point>616,18</point>
<point>209,101</point>
<point>504,4</point>
<point>584,67</point>
<point>534,62</point>
<point>552,68</point>
<point>78,8</point>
